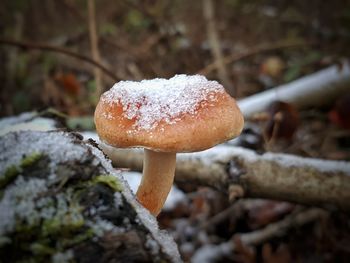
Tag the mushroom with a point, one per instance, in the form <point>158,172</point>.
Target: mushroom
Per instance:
<point>165,117</point>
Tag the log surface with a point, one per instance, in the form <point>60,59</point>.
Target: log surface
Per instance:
<point>61,201</point>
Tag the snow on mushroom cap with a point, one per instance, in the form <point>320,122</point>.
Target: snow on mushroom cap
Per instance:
<point>150,101</point>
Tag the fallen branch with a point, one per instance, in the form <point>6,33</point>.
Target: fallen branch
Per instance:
<point>317,89</point>
<point>211,253</point>
<point>30,45</point>
<point>234,210</point>
<point>284,177</point>
<point>280,228</point>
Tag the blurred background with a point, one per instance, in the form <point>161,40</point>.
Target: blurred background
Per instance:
<point>62,54</point>
<point>148,39</point>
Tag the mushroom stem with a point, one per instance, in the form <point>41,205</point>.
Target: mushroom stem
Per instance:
<point>157,179</point>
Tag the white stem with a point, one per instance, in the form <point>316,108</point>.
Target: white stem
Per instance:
<point>157,179</point>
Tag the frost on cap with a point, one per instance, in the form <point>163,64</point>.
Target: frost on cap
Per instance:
<point>181,114</point>
<point>150,101</point>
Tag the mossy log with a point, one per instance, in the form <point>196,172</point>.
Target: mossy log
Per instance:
<point>61,201</point>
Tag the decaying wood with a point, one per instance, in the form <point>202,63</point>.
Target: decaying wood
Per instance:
<point>285,177</point>
<point>212,253</point>
<point>62,201</point>
<point>317,89</point>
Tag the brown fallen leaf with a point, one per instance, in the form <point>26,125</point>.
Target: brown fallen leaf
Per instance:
<point>267,211</point>
<point>69,82</point>
<point>340,114</point>
<point>282,122</point>
<point>280,255</point>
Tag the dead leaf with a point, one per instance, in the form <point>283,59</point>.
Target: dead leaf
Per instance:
<point>283,121</point>
<point>69,82</point>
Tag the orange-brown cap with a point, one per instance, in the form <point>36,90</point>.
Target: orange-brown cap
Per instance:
<point>181,114</point>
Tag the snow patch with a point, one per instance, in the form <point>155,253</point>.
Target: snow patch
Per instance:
<point>222,153</point>
<point>36,124</point>
<point>63,257</point>
<point>321,165</point>
<point>54,146</point>
<point>23,117</point>
<point>210,253</point>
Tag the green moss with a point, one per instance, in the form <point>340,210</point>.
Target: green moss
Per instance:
<point>51,226</point>
<point>110,181</point>
<point>4,241</point>
<point>24,228</point>
<point>77,239</point>
<point>10,174</point>
<point>63,225</point>
<point>30,160</point>
<point>63,221</point>
<point>41,249</point>
<point>13,171</point>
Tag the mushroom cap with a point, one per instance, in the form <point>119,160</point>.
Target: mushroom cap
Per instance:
<point>181,114</point>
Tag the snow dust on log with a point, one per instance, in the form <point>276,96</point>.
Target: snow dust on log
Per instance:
<point>61,201</point>
<point>284,177</point>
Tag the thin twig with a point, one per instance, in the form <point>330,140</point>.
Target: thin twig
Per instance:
<point>214,253</point>
<point>280,228</point>
<point>214,42</point>
<point>31,45</point>
<point>234,210</point>
<point>94,46</point>
<point>253,51</point>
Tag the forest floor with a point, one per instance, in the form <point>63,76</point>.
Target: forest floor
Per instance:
<point>265,44</point>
